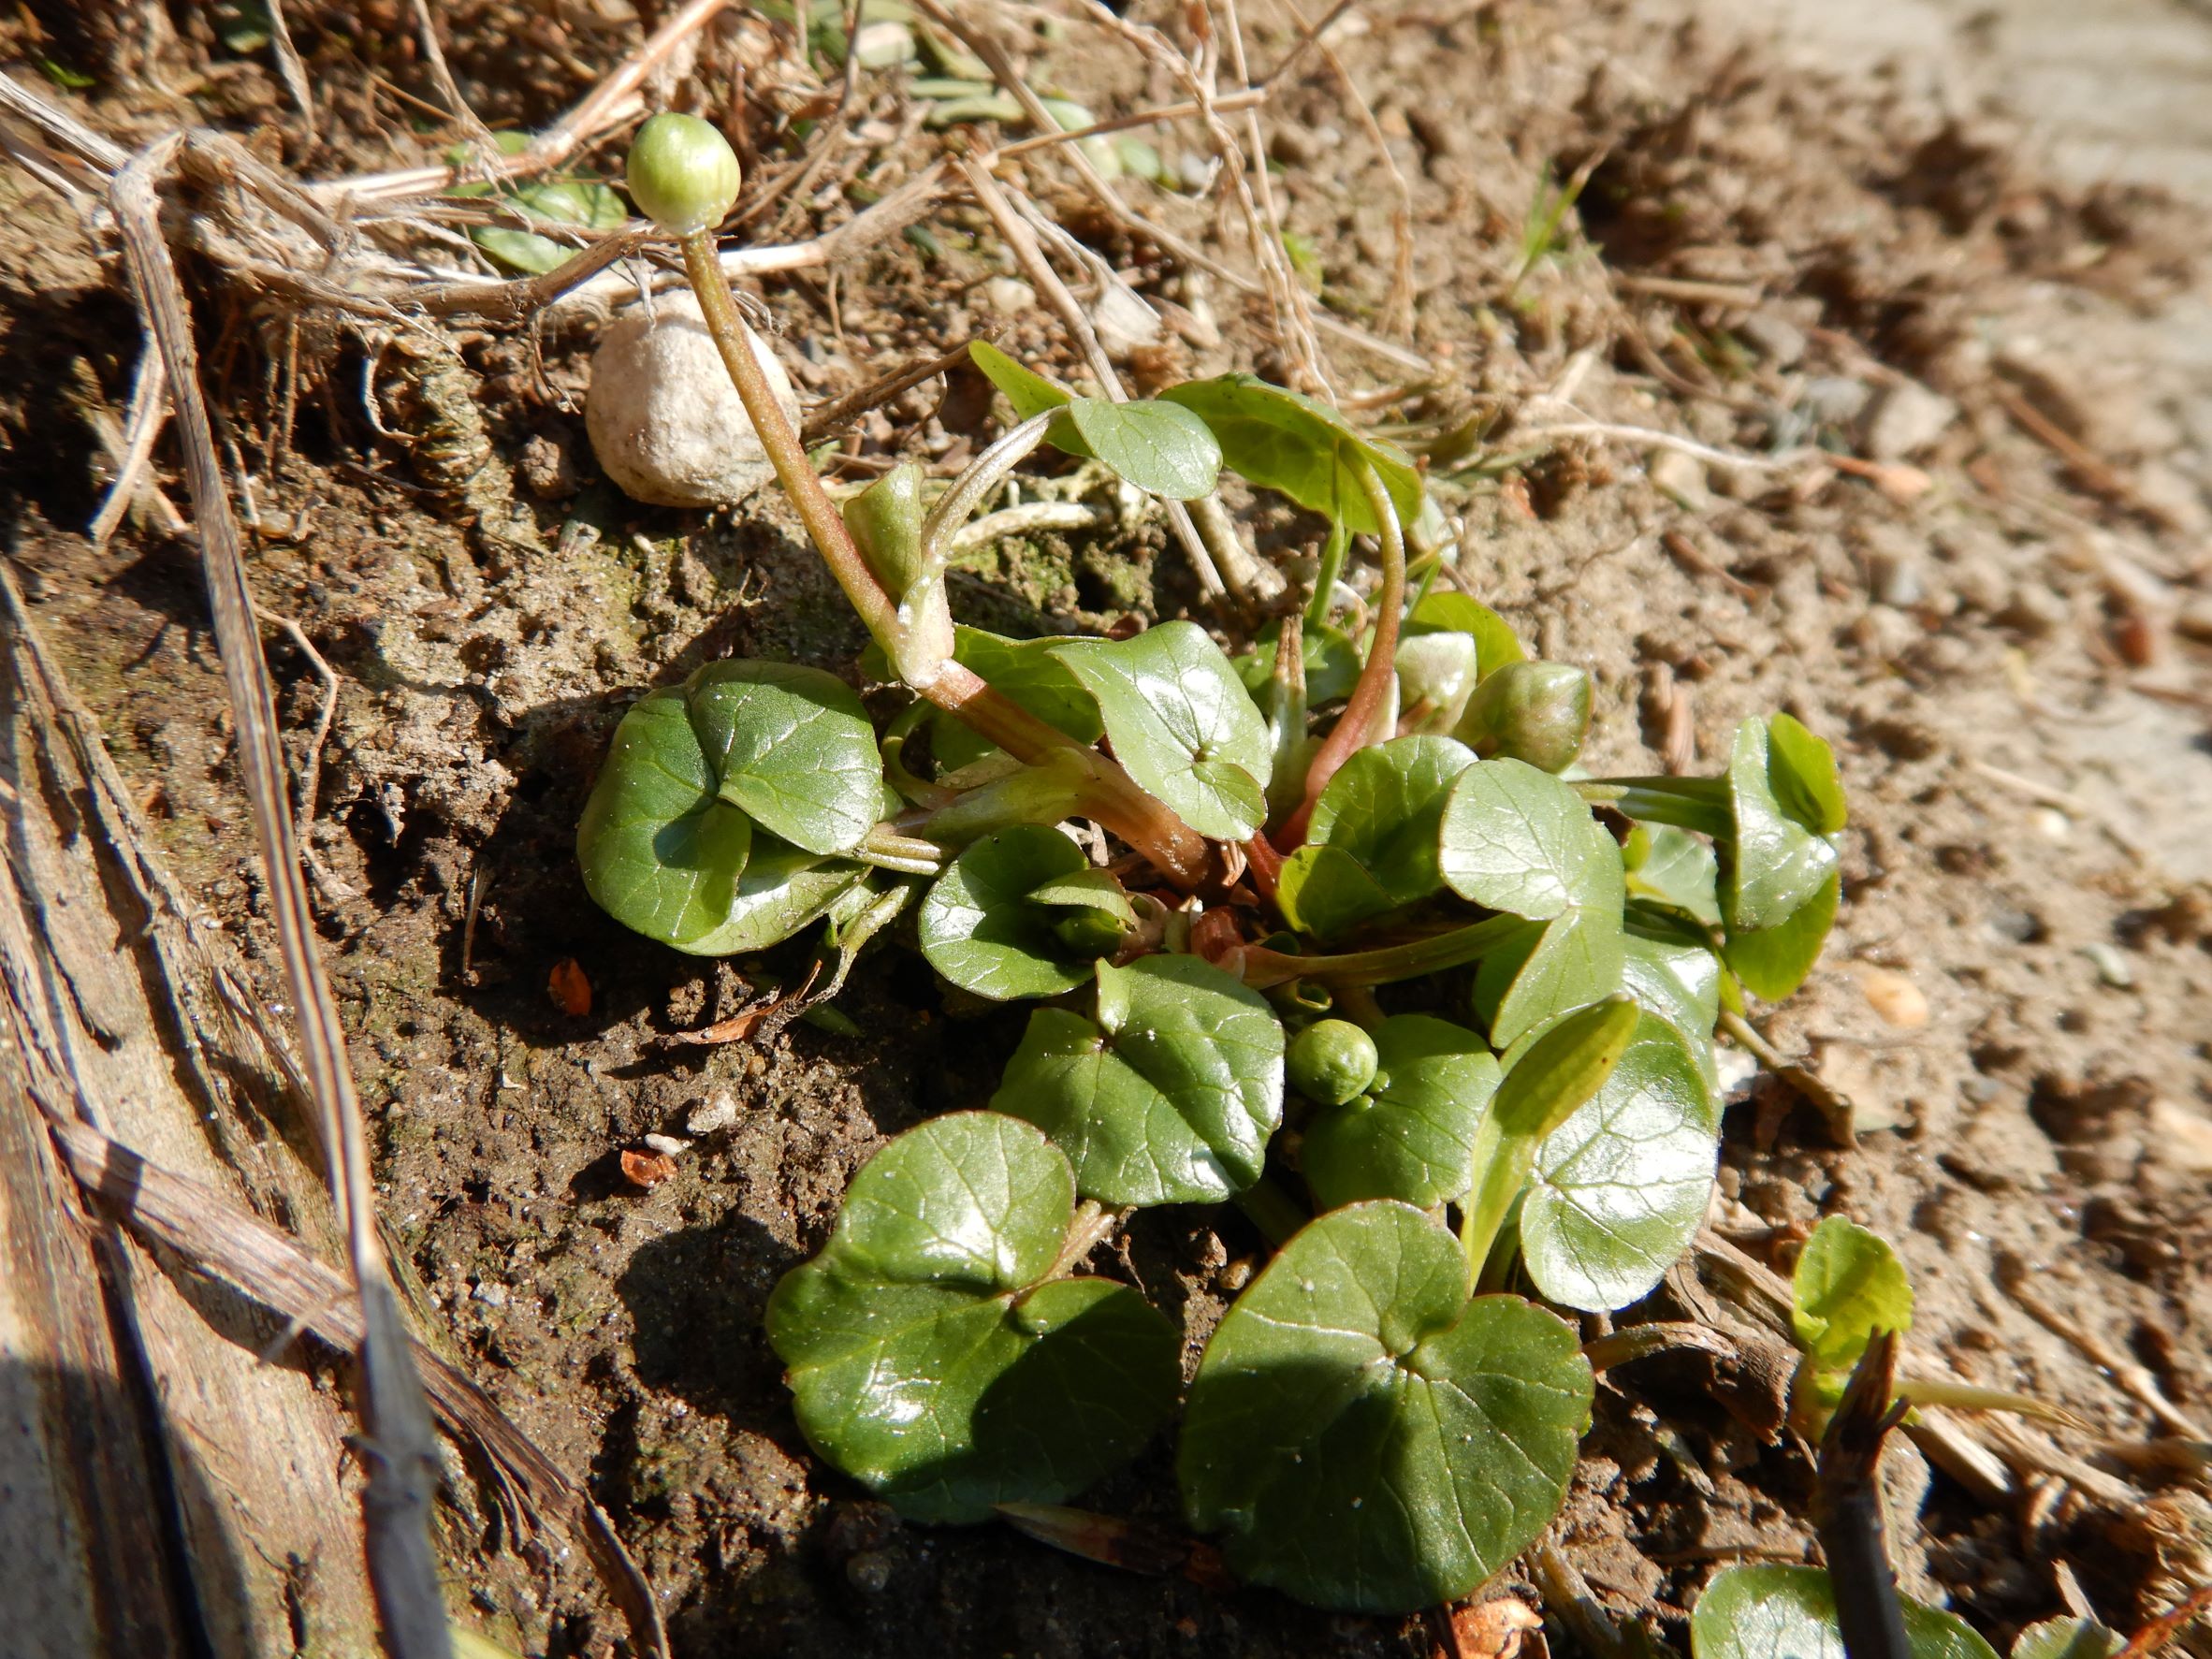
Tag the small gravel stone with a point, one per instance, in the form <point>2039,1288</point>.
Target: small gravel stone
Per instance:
<point>665,422</point>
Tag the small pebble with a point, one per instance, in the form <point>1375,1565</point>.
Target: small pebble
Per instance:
<point>1010,296</point>
<point>2112,968</point>
<point>1893,996</point>
<point>668,1145</point>
<point>717,1112</point>
<point>2052,824</point>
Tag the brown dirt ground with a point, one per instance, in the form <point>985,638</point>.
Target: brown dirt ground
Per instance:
<point>2013,666</point>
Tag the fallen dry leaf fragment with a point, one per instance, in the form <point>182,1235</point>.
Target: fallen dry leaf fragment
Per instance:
<point>647,1169</point>
<point>1492,1629</point>
<point>568,987</point>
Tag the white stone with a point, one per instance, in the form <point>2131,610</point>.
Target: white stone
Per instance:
<point>665,422</point>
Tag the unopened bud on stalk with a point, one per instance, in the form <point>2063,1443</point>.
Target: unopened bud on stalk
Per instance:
<point>1332,1061</point>
<point>682,173</point>
<point>1537,712</point>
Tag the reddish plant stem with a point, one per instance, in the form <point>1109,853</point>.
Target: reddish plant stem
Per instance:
<point>1111,795</point>
<point>1349,735</point>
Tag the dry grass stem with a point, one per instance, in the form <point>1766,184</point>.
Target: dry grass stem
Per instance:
<point>400,1446</point>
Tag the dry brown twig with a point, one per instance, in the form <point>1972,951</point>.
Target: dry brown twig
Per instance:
<point>399,1445</point>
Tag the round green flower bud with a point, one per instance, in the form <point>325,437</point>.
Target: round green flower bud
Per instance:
<point>682,173</point>
<point>1332,1061</point>
<point>1089,933</point>
<point>1537,712</point>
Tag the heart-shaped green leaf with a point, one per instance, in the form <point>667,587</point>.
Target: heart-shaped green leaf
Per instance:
<point>1620,1188</point>
<point>1368,1438</point>
<point>1411,1136</point>
<point>1519,841</point>
<point>1161,447</point>
<point>1182,724</point>
<point>1789,1613</point>
<point>1772,962</point>
<point>1848,1285</point>
<point>1385,807</point>
<point>1548,970</point>
<point>1776,862</point>
<point>1325,892</point>
<point>1302,447</point>
<point>979,928</point>
<point>1168,1096</point>
<point>1435,678</point>
<point>1675,869</point>
<point>1027,670</point>
<point>663,853</point>
<point>930,1357</point>
<point>791,748</point>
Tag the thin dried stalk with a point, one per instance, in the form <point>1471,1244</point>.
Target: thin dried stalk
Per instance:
<point>401,1449</point>
<point>1022,242</point>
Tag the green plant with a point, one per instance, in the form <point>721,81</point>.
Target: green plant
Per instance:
<point>1364,805</point>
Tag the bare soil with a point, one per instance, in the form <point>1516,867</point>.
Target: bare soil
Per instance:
<point>2007,636</point>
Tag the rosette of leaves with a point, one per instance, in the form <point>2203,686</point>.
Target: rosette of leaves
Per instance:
<point>1166,1093</point>
<point>716,824</point>
<point>1518,841</point>
<point>939,1352</point>
<point>1366,1437</point>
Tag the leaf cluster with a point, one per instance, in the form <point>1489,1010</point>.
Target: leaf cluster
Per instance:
<point>1390,1412</point>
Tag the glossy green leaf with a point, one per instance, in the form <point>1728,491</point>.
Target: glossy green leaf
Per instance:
<point>1496,642</point>
<point>1551,969</point>
<point>1519,841</point>
<point>1620,1188</point>
<point>1385,807</point>
<point>1679,981</point>
<point>1411,1135</point>
<point>1364,1436</point>
<point>1848,1285</point>
<point>1777,863</point>
<point>1168,1096</point>
<point>979,929</point>
<point>661,852</point>
<point>1537,712</point>
<point>1673,868</point>
<point>1773,962</point>
<point>1553,1071</point>
<point>1181,723</point>
<point>1030,393</point>
<point>932,1360</point>
<point>1293,444</point>
<point>784,888</point>
<point>2068,1639</point>
<point>1326,892</point>
<point>1789,1613</point>
<point>791,748</point>
<point>1801,769</point>
<point>1157,447</point>
<point>1332,663</point>
<point>885,520</point>
<point>1025,671</point>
